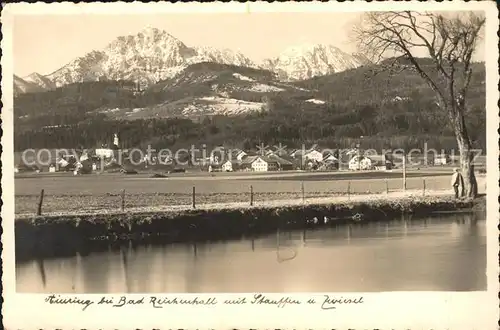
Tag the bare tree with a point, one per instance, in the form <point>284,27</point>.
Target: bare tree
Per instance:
<point>450,41</point>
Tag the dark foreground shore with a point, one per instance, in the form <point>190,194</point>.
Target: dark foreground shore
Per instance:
<point>61,236</point>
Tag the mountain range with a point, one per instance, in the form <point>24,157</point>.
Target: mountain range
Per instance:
<point>153,55</point>
<point>230,104</point>
<point>208,89</point>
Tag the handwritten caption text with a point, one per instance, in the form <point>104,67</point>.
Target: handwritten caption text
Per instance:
<point>325,302</point>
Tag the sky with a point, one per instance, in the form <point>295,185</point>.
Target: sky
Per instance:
<point>43,43</point>
<point>56,40</point>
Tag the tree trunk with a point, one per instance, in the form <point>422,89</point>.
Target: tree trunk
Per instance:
<point>469,187</point>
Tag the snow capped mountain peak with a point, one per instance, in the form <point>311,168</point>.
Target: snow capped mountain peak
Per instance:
<point>38,79</point>
<point>223,56</point>
<point>33,76</point>
<point>22,86</point>
<point>152,55</point>
<point>145,42</point>
<point>309,60</point>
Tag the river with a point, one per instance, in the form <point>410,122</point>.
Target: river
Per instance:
<point>438,253</point>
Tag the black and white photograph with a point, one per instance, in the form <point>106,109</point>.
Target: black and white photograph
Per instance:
<point>251,152</point>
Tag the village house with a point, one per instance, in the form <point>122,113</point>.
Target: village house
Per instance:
<point>214,168</point>
<point>231,165</point>
<point>328,166</point>
<point>281,152</point>
<point>359,163</point>
<point>328,157</point>
<point>52,168</point>
<point>270,153</point>
<point>238,154</point>
<point>311,154</point>
<point>217,155</point>
<point>442,159</point>
<point>108,153</point>
<point>265,163</point>
<point>381,162</point>
<point>282,163</point>
<point>344,158</point>
<point>156,158</point>
<point>314,155</point>
<point>296,153</point>
<point>330,162</point>
<point>40,159</point>
<point>377,162</point>
<point>104,152</point>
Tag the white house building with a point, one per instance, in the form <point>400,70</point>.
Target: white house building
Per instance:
<point>442,159</point>
<point>264,163</point>
<point>329,158</point>
<point>261,165</point>
<point>360,163</point>
<point>104,153</point>
<point>238,154</point>
<point>241,155</point>
<point>376,162</point>
<point>230,166</point>
<point>311,154</point>
<point>108,152</point>
<point>314,155</point>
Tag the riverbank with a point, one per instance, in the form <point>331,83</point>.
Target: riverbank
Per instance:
<point>67,234</point>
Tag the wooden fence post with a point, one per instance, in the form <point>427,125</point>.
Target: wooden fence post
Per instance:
<point>194,197</point>
<point>386,187</point>
<point>123,199</point>
<point>40,202</point>
<point>303,191</point>
<point>251,195</point>
<point>349,190</point>
<point>404,171</point>
<point>424,188</point>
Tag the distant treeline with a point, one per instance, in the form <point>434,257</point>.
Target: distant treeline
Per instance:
<point>402,124</point>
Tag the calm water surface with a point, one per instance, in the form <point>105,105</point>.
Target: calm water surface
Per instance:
<point>439,253</point>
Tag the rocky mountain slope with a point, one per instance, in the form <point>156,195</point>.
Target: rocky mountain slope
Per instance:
<point>209,88</point>
<point>307,61</point>
<point>153,55</point>
<point>205,88</point>
<point>44,82</point>
<point>221,104</point>
<point>22,86</point>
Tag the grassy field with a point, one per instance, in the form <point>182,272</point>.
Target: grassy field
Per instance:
<point>67,193</point>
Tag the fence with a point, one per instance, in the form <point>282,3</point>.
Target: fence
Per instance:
<point>196,194</point>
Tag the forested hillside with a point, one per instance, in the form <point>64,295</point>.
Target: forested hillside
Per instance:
<point>389,109</point>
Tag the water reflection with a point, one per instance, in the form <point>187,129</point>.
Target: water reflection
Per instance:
<point>439,253</point>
